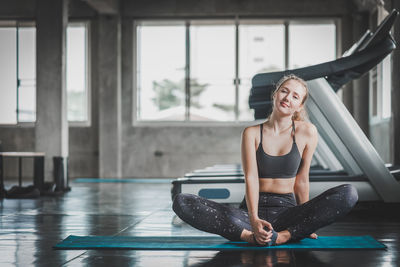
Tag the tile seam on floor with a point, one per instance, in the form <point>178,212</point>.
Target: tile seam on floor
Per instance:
<point>145,217</point>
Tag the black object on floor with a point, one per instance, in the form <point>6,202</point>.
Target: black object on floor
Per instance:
<point>23,192</point>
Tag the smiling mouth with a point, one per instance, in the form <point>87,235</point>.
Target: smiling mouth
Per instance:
<point>283,104</point>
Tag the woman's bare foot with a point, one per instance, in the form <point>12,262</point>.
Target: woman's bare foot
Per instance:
<point>283,237</point>
<point>247,236</point>
<point>314,236</point>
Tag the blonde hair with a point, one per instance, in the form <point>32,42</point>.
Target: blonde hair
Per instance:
<point>297,116</point>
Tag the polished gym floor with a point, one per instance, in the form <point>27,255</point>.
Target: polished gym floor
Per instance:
<point>29,228</point>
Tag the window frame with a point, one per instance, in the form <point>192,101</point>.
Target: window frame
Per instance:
<point>378,70</point>
<point>17,24</point>
<point>378,101</point>
<point>310,21</point>
<point>32,23</point>
<point>88,122</point>
<point>204,21</point>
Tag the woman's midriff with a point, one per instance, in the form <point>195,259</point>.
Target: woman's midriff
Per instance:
<point>278,185</point>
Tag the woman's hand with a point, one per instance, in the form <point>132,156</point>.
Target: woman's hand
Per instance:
<point>262,230</point>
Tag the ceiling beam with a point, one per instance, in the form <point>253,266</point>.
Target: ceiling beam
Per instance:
<point>367,5</point>
<point>104,7</point>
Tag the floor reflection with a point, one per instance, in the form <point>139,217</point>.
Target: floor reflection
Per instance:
<point>270,258</point>
<point>29,228</point>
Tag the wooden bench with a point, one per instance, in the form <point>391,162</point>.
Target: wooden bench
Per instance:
<point>38,168</point>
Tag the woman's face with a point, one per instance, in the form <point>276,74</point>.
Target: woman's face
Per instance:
<point>288,98</point>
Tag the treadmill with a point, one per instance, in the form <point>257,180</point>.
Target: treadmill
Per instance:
<point>344,154</point>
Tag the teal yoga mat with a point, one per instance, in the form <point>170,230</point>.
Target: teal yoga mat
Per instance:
<point>212,243</point>
<point>123,180</point>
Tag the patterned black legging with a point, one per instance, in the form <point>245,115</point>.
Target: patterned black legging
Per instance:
<point>280,210</point>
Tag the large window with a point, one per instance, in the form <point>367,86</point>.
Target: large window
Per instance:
<point>311,43</point>
<point>201,70</point>
<point>161,72</point>
<point>212,72</point>
<point>18,72</point>
<point>261,49</point>
<point>77,72</point>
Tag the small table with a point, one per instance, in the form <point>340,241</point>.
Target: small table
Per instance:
<point>38,168</point>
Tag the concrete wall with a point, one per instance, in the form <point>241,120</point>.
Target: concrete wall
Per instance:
<point>172,151</point>
<point>148,151</point>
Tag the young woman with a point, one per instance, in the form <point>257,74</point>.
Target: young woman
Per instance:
<point>276,159</point>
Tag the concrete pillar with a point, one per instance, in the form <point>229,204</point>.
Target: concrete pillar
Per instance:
<point>361,86</point>
<point>109,71</point>
<point>127,81</point>
<point>347,42</point>
<point>396,87</point>
<point>51,132</point>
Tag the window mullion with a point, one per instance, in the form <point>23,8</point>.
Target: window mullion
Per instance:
<point>187,73</point>
<point>17,71</point>
<point>237,81</point>
<point>286,44</point>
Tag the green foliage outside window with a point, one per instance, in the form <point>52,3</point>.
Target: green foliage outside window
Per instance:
<point>171,94</point>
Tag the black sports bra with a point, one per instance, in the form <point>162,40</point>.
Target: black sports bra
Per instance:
<point>285,166</point>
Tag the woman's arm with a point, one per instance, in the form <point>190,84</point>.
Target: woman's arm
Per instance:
<point>249,165</point>
<point>250,172</point>
<point>302,185</point>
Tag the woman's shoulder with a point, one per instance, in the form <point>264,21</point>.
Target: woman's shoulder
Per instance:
<point>306,128</point>
<point>251,131</point>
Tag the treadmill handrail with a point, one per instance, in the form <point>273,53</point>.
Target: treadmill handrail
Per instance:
<point>382,31</point>
<point>340,65</point>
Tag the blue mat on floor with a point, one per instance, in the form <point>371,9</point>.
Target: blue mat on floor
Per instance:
<point>211,243</point>
<point>123,180</point>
